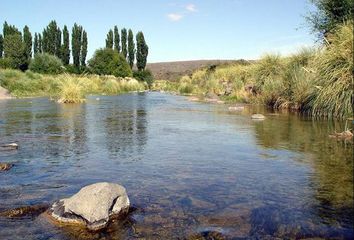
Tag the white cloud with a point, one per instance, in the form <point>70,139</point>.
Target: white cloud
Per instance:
<point>175,17</point>
<point>191,8</point>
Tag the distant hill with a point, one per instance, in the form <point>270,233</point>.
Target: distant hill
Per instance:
<point>174,70</point>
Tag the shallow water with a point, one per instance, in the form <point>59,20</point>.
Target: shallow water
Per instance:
<point>190,169</point>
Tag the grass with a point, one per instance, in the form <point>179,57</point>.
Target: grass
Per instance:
<point>67,88</point>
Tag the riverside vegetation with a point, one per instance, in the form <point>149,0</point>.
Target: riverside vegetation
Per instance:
<point>316,81</point>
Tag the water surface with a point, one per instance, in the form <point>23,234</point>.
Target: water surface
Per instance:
<point>190,169</point>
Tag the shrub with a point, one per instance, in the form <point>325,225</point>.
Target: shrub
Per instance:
<point>144,75</point>
<point>109,62</point>
<point>71,90</point>
<point>46,63</point>
<point>5,63</point>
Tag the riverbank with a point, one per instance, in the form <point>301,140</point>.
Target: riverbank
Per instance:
<point>314,81</point>
<point>65,87</point>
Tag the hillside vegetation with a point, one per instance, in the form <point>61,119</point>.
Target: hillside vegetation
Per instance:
<point>313,81</point>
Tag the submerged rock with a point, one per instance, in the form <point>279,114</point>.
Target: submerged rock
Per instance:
<point>258,116</point>
<point>5,166</point>
<point>25,211</point>
<point>93,205</point>
<point>236,108</point>
<point>9,146</point>
<point>342,135</point>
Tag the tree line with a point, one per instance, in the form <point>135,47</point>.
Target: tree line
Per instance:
<point>124,44</point>
<point>16,47</point>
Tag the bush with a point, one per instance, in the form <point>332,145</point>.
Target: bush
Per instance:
<point>46,63</point>
<point>5,63</point>
<point>144,75</point>
<point>109,62</point>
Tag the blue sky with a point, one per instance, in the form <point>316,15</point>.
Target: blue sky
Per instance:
<point>177,29</point>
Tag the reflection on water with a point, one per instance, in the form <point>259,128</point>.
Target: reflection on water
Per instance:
<point>192,170</point>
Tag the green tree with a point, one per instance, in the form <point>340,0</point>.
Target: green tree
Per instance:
<point>40,42</point>
<point>27,39</point>
<point>65,52</point>
<point>9,30</point>
<point>131,48</point>
<point>1,45</point>
<point>124,42</point>
<point>109,39</point>
<point>83,49</point>
<point>109,62</point>
<point>52,39</point>
<point>46,63</point>
<point>142,51</point>
<point>76,43</point>
<point>14,49</point>
<point>328,14</point>
<point>35,44</point>
<point>116,39</point>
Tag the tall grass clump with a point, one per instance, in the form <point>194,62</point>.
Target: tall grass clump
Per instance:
<point>333,96</point>
<point>71,90</point>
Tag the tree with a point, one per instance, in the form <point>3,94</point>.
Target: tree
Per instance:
<point>65,52</point>
<point>9,30</point>
<point>76,44</point>
<point>52,39</point>
<point>329,13</point>
<point>131,48</point>
<point>83,49</point>
<point>109,39</point>
<point>116,39</point>
<point>46,63</point>
<point>1,45</point>
<point>124,42</point>
<point>40,42</point>
<point>142,51</point>
<point>14,49</point>
<point>27,39</point>
<point>35,44</point>
<point>109,62</point>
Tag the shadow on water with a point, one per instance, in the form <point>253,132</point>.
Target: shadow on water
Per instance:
<point>192,170</point>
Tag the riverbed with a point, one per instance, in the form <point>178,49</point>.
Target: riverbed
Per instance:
<point>191,169</point>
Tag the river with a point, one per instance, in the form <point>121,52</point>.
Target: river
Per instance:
<point>191,169</point>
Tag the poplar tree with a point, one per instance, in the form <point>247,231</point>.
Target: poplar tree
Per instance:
<point>142,51</point>
<point>1,45</point>
<point>27,39</point>
<point>35,44</point>
<point>109,39</point>
<point>40,42</point>
<point>76,44</point>
<point>83,49</point>
<point>65,52</point>
<point>52,39</point>
<point>58,48</point>
<point>116,39</point>
<point>131,48</point>
<point>124,42</point>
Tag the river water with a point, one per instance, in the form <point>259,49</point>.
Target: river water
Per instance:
<point>191,170</point>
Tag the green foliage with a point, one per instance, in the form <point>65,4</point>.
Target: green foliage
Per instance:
<point>9,30</point>
<point>5,63</point>
<point>142,51</point>
<point>109,39</point>
<point>1,45</point>
<point>46,63</point>
<point>124,42</point>
<point>83,53</point>
<point>40,43</point>
<point>14,50</point>
<point>52,39</point>
<point>328,14</point>
<point>144,75</point>
<point>131,48</point>
<point>76,43</point>
<point>116,39</point>
<point>334,75</point>
<point>109,62</point>
<point>35,44</point>
<point>27,39</point>
<point>65,48</point>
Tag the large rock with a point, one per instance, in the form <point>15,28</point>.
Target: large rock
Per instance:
<point>5,166</point>
<point>93,205</point>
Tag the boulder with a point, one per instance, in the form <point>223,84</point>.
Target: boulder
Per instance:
<point>93,206</point>
<point>10,146</point>
<point>5,166</point>
<point>258,116</point>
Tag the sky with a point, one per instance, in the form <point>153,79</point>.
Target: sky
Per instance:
<point>177,30</point>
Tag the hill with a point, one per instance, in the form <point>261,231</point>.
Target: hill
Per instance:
<point>174,70</point>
